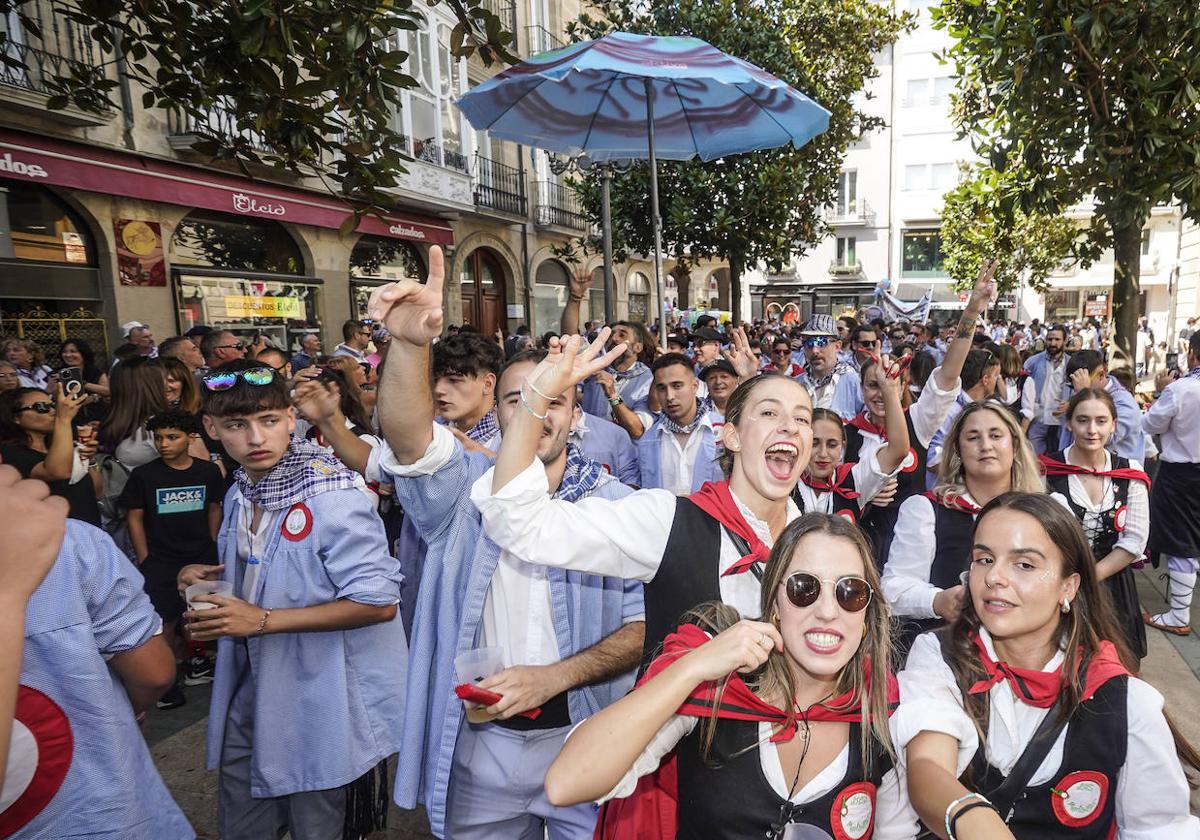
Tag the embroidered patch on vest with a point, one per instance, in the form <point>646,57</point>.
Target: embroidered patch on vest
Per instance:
<point>38,761</point>
<point>853,814</point>
<point>910,461</point>
<point>298,523</point>
<point>1079,797</point>
<point>1119,517</point>
<point>848,514</point>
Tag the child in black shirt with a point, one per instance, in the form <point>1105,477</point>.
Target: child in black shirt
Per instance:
<point>174,511</point>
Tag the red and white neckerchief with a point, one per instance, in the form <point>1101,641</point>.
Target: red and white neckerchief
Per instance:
<point>957,503</point>
<point>1052,467</point>
<point>837,485</point>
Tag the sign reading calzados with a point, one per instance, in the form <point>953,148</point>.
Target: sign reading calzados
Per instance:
<point>247,306</point>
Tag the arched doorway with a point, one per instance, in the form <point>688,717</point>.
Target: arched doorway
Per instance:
<point>376,260</point>
<point>49,270</point>
<point>483,291</point>
<point>639,296</point>
<point>243,275</point>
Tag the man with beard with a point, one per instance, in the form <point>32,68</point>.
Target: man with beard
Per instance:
<point>570,640</point>
<point>1043,391</point>
<point>619,393</point>
<point>830,383</point>
<point>679,452</point>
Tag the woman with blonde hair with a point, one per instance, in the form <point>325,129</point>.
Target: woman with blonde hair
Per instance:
<point>771,723</point>
<point>985,455</point>
<point>29,360</point>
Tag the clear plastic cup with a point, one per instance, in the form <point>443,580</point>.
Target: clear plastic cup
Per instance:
<point>206,587</point>
<point>476,665</point>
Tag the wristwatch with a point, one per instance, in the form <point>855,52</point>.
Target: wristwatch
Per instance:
<point>615,401</point>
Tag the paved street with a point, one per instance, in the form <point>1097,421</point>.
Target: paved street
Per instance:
<point>177,736</point>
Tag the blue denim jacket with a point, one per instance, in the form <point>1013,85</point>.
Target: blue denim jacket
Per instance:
<point>459,565</point>
<point>329,704</point>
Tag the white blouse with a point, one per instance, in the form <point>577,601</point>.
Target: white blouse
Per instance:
<point>1137,515</point>
<point>895,817</point>
<point>1152,792</point>
<point>905,581</point>
<point>869,479</point>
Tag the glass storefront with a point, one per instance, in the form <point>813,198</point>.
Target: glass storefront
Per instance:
<point>550,290</point>
<point>639,297</point>
<point>377,260</point>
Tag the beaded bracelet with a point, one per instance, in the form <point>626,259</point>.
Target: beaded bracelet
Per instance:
<point>959,801</point>
<point>525,404</point>
<point>262,625</point>
<point>535,390</point>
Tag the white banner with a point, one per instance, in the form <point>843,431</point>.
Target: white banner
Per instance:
<point>894,309</point>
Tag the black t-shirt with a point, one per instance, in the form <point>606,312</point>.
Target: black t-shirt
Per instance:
<point>81,496</point>
<point>175,510</point>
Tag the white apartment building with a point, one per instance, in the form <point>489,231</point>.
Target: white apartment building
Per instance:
<point>886,221</point>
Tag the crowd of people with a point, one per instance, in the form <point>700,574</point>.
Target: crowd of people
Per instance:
<point>833,579</point>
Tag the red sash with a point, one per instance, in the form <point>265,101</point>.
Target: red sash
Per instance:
<point>1052,467</point>
<point>1041,688</point>
<point>860,421</point>
<point>957,503</point>
<point>715,499</point>
<point>835,486</point>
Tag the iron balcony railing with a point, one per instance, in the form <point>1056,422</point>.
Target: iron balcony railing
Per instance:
<point>218,120</point>
<point>559,205</point>
<point>506,10</point>
<point>431,151</point>
<point>541,40</point>
<point>499,186</point>
<point>34,60</point>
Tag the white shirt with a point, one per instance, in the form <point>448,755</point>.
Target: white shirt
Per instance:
<point>677,462</point>
<point>517,615</point>
<point>869,479</point>
<point>1051,394</point>
<point>905,580</point>
<point>622,538</point>
<point>1175,416</point>
<point>895,818</point>
<point>1152,792</point>
<point>251,542</point>
<point>927,415</point>
<point>1137,506</point>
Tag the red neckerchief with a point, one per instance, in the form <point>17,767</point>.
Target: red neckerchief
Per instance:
<point>1041,688</point>
<point>715,499</point>
<point>835,486</point>
<point>1052,467</point>
<point>860,421</point>
<point>740,703</point>
<point>958,503</point>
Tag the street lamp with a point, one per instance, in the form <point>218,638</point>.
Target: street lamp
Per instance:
<point>580,163</point>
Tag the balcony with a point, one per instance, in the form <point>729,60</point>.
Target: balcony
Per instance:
<point>506,10</point>
<point>541,40</point>
<point>500,187</point>
<point>845,270</point>
<point>40,59</point>
<point>183,130</point>
<point>559,206</point>
<point>431,151</point>
<point>856,212</point>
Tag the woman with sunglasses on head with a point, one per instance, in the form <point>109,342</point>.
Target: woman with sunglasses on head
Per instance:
<point>1110,497</point>
<point>830,486</point>
<point>985,455</point>
<point>773,722</point>
<point>1022,720</point>
<point>37,437</point>
<point>867,432</point>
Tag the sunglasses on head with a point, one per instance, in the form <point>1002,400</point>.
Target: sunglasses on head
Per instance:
<point>817,341</point>
<point>225,380</point>
<point>853,593</point>
<point>39,407</point>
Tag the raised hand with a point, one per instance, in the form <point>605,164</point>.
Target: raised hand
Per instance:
<point>316,400</point>
<point>580,284</point>
<point>566,365</point>
<point>743,647</point>
<point>984,289</point>
<point>66,406</point>
<point>740,355</point>
<point>411,311</point>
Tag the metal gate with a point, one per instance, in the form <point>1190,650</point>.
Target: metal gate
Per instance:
<point>50,329</point>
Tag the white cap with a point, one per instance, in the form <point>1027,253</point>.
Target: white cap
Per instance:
<point>130,326</point>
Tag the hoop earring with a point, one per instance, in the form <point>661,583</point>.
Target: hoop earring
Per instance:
<point>775,618</point>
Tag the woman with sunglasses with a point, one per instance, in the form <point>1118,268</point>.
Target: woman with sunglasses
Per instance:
<point>1022,720</point>
<point>1110,497</point>
<point>774,722</point>
<point>867,432</point>
<point>37,437</point>
<point>829,486</point>
<point>985,456</point>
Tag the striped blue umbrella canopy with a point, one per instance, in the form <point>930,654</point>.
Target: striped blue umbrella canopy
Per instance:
<point>627,96</point>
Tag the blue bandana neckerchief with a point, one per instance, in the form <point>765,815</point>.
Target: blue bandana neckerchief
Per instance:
<point>580,477</point>
<point>703,406</point>
<point>838,369</point>
<point>485,429</point>
<point>305,470</point>
<point>1194,373</point>
<point>620,376</point>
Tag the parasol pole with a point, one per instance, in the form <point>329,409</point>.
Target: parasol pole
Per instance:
<point>655,221</point>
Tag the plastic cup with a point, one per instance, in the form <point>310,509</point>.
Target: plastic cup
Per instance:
<point>206,587</point>
<point>476,665</point>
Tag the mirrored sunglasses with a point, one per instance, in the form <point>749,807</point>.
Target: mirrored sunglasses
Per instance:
<point>817,341</point>
<point>225,380</point>
<point>853,594</point>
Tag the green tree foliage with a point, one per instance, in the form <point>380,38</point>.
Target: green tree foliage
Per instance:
<point>982,219</point>
<point>1093,99</point>
<point>762,206</point>
<point>309,85</point>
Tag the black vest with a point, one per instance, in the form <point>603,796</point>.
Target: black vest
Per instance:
<point>841,505</point>
<point>878,523</point>
<point>1078,802</point>
<point>725,796</point>
<point>688,575</point>
<point>952,532</point>
<point>1102,542</point>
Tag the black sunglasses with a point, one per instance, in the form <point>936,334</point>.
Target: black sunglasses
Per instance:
<point>39,407</point>
<point>853,593</point>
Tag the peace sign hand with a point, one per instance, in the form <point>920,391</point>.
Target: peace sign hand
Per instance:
<point>740,355</point>
<point>568,363</point>
<point>984,289</point>
<point>411,311</point>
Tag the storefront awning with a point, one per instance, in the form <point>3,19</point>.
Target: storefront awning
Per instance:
<point>50,161</point>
